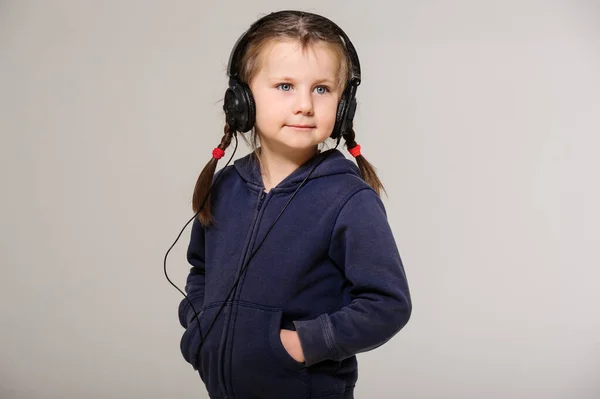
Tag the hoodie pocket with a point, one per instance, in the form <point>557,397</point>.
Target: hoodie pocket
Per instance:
<point>279,351</point>
<point>190,334</point>
<point>261,366</point>
<point>207,362</point>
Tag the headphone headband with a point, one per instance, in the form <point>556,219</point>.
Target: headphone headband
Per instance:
<point>242,42</point>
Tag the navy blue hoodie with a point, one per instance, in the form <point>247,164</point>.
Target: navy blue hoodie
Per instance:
<point>330,270</point>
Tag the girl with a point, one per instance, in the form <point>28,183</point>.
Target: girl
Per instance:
<point>294,266</point>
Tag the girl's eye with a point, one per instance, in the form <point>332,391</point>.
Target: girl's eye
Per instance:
<point>284,86</point>
<point>322,89</point>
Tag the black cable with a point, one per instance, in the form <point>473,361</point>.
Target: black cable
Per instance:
<point>241,273</point>
<point>181,232</point>
<point>251,257</point>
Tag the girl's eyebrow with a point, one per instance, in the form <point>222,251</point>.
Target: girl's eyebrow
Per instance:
<point>290,79</point>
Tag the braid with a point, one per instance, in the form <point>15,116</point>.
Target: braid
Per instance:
<point>227,136</point>
<point>367,171</point>
<point>350,138</point>
<point>204,182</point>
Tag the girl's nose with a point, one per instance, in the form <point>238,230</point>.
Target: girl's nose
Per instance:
<point>304,103</point>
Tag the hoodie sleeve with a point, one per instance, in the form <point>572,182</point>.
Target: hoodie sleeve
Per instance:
<point>196,278</point>
<point>194,287</point>
<point>363,244</point>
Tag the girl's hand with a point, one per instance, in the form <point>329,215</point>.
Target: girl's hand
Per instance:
<point>291,343</point>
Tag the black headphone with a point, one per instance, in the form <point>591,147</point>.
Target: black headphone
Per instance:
<point>239,107</point>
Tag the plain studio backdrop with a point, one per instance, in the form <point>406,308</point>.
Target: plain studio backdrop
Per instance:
<point>482,118</point>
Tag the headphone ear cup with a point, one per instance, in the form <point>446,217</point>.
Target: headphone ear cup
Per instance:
<point>341,115</point>
<point>250,109</point>
<point>351,110</point>
<point>339,118</point>
<point>240,111</point>
<point>230,106</point>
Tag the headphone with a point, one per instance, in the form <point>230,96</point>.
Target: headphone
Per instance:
<point>239,106</point>
<point>240,112</point>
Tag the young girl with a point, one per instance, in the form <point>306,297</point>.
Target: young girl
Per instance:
<point>294,266</point>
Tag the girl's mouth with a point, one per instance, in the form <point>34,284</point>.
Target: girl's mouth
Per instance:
<point>301,127</point>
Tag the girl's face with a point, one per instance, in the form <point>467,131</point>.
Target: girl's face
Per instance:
<point>296,94</point>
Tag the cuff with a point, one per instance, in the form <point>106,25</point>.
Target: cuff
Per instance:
<point>186,312</point>
<point>316,339</point>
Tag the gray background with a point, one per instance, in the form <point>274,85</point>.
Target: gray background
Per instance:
<point>481,117</point>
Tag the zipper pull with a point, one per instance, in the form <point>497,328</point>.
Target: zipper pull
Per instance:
<point>262,197</point>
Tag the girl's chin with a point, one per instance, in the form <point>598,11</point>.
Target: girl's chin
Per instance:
<point>293,145</point>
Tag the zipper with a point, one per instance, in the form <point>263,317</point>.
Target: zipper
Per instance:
<point>260,201</point>
<point>248,252</point>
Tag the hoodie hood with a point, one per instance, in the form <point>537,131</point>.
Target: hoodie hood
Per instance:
<point>333,162</point>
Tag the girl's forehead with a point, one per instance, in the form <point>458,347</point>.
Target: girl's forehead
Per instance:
<point>287,56</point>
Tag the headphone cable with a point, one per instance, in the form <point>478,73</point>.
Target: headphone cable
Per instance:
<point>242,271</point>
<point>188,222</point>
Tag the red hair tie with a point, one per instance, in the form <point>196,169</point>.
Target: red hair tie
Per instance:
<point>355,151</point>
<point>218,153</point>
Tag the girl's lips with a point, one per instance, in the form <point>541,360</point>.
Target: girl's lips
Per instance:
<point>301,126</point>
